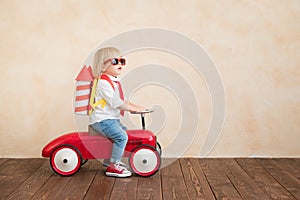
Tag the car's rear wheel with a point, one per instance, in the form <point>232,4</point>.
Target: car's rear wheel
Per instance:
<point>65,160</point>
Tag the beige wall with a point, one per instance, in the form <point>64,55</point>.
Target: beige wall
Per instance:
<point>254,44</point>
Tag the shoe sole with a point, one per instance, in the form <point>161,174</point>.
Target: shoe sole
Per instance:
<point>117,175</point>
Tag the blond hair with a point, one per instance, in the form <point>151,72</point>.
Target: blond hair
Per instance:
<point>100,57</point>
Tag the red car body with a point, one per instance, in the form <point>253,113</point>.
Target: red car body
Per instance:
<point>98,146</point>
<point>70,151</point>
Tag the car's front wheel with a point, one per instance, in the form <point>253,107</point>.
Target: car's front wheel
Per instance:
<point>65,160</point>
<point>144,160</point>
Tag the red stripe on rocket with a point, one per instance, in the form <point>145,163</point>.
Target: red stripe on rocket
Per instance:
<point>84,82</point>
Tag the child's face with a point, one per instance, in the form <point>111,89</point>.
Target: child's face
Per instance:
<point>115,69</point>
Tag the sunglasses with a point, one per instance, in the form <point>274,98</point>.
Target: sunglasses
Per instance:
<point>116,61</point>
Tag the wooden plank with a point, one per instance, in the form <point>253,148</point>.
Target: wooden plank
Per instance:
<point>7,185</point>
<point>79,182</point>
<point>246,187</point>
<point>195,180</point>
<point>263,179</point>
<point>101,187</point>
<point>3,175</point>
<point>3,160</point>
<point>52,188</point>
<point>55,187</point>
<point>290,164</point>
<point>17,166</point>
<point>14,172</point>
<point>219,182</point>
<point>290,182</point>
<point>149,187</point>
<point>183,179</point>
<point>33,183</point>
<point>58,187</point>
<point>125,188</point>
<point>173,185</point>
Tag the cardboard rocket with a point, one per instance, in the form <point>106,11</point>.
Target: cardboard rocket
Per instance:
<point>84,82</point>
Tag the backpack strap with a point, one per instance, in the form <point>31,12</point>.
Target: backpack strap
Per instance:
<point>92,97</point>
<point>105,77</point>
<point>102,102</point>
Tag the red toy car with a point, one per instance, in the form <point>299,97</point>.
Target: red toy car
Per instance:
<point>70,151</point>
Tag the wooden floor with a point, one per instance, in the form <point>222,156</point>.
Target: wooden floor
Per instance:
<point>183,179</point>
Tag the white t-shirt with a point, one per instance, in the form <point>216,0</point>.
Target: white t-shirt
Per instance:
<point>110,101</point>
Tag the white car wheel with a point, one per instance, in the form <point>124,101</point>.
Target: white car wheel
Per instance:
<point>145,160</point>
<point>65,160</point>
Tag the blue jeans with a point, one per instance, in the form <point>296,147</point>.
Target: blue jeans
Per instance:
<point>113,129</point>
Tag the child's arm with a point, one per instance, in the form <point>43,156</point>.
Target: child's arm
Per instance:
<point>128,106</point>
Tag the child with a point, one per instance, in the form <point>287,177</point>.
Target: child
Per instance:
<point>105,118</point>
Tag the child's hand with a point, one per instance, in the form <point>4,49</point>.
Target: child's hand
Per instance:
<point>139,108</point>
